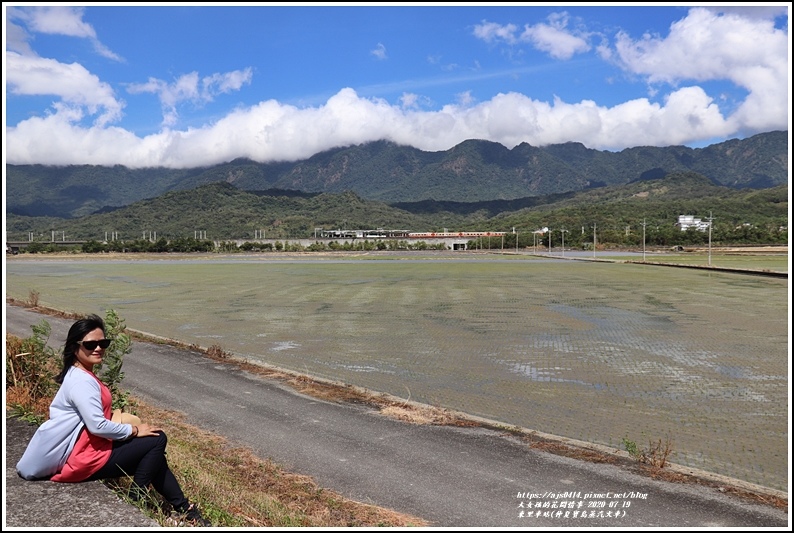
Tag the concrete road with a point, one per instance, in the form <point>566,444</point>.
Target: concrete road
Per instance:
<point>453,477</point>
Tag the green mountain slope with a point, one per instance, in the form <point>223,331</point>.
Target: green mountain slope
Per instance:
<point>473,171</point>
<point>220,211</point>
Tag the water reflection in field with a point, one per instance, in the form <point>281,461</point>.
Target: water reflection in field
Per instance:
<point>591,351</point>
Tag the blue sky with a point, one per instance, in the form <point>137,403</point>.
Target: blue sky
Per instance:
<point>180,86</point>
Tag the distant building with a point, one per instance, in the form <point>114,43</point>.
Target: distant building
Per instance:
<point>688,221</point>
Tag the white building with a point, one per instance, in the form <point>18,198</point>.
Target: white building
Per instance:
<point>688,221</point>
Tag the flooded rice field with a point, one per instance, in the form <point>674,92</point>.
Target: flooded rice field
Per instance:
<point>586,350</point>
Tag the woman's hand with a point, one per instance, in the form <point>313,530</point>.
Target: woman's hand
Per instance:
<point>146,430</point>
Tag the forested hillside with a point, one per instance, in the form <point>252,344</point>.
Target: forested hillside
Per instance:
<point>220,211</point>
<point>473,171</point>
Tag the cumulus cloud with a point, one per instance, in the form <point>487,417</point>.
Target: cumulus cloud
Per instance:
<point>491,32</point>
<point>273,131</point>
<point>189,88</point>
<point>72,83</point>
<point>414,101</point>
<point>17,39</point>
<point>379,51</point>
<point>710,45</point>
<point>552,38</point>
<point>465,99</point>
<point>59,20</point>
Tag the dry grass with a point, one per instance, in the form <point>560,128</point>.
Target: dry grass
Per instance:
<point>19,396</point>
<point>657,453</point>
<point>574,452</point>
<point>24,395</point>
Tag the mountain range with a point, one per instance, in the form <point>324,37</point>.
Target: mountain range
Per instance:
<point>220,211</point>
<point>475,171</point>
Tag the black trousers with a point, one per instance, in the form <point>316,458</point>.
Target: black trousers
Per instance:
<point>144,459</point>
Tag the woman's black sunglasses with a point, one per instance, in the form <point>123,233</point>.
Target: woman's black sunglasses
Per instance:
<point>91,345</point>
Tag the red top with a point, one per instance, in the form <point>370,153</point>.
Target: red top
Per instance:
<point>90,452</point>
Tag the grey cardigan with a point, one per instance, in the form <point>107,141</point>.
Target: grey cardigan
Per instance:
<point>77,404</point>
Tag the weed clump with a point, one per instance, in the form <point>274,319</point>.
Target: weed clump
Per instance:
<point>655,455</point>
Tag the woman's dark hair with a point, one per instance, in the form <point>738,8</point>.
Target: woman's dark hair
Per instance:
<point>77,332</point>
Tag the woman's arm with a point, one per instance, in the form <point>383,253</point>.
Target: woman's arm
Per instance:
<point>85,395</point>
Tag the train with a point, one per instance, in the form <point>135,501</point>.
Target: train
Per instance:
<point>454,234</point>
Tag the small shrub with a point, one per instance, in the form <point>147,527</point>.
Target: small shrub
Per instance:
<point>658,453</point>
<point>217,352</point>
<point>31,366</point>
<point>33,298</point>
<point>631,448</point>
<point>109,371</point>
<point>655,455</point>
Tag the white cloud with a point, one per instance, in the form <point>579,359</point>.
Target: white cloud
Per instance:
<point>706,45</point>
<point>379,51</point>
<point>409,101</point>
<point>465,99</point>
<point>60,20</point>
<point>227,82</point>
<point>753,11</point>
<point>189,88</point>
<point>26,75</point>
<point>17,39</point>
<point>552,38</point>
<point>491,32</point>
<point>273,131</point>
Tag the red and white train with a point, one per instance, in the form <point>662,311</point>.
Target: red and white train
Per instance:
<point>453,234</point>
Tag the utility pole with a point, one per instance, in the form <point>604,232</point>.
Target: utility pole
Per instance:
<point>516,234</point>
<point>710,219</point>
<point>549,241</point>
<point>562,232</point>
<point>643,240</point>
<point>594,239</point>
